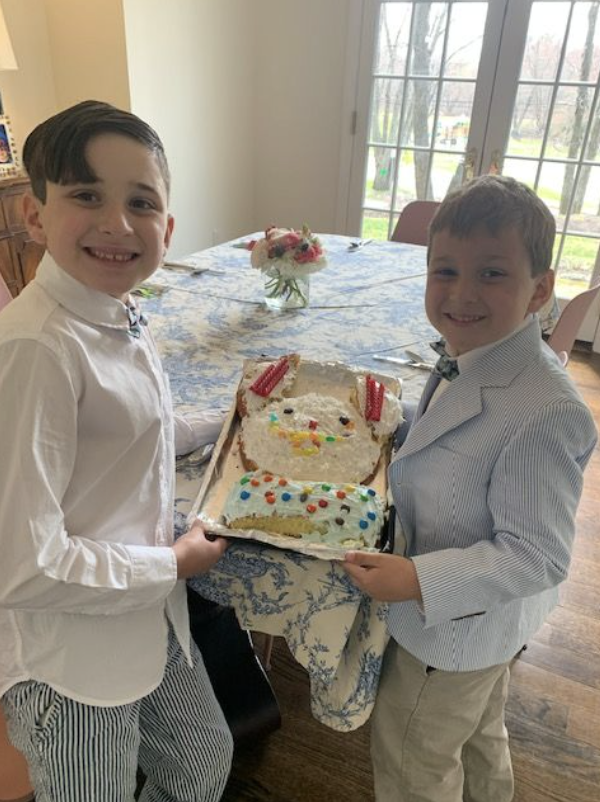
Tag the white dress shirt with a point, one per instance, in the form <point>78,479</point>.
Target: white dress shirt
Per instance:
<point>87,573</point>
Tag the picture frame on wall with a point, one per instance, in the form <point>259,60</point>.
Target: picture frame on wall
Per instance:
<point>9,158</point>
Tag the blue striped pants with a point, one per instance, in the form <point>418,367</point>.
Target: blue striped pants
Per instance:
<point>84,753</point>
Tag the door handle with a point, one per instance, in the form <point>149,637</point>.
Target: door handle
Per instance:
<point>469,164</point>
<point>496,163</point>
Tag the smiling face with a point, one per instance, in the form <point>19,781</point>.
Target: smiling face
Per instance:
<point>112,233</point>
<point>480,287</point>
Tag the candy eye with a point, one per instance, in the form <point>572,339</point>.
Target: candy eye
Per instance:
<point>344,420</point>
<point>288,411</point>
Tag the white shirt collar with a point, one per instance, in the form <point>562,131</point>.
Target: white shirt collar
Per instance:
<point>92,305</point>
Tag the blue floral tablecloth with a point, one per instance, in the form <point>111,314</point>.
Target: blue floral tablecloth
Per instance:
<point>365,302</point>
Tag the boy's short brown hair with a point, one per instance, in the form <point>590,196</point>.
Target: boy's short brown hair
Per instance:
<point>495,203</point>
<point>55,150</point>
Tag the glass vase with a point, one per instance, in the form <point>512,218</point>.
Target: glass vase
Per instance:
<point>285,293</point>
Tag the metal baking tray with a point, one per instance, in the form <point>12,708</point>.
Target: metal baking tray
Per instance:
<point>225,466</point>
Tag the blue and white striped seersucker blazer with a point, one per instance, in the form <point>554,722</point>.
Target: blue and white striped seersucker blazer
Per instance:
<point>486,487</point>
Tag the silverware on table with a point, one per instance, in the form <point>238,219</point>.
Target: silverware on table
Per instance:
<point>193,269</point>
<point>414,355</point>
<point>409,363</point>
<point>355,246</point>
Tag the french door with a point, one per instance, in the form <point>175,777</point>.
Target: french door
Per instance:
<point>447,90</point>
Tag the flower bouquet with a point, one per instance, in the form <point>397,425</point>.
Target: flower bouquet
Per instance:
<point>287,258</point>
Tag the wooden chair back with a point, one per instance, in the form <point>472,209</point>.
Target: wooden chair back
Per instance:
<point>413,223</point>
<point>564,334</point>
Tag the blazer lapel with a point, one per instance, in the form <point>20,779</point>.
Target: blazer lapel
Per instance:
<point>428,391</point>
<point>462,400</point>
<point>459,402</point>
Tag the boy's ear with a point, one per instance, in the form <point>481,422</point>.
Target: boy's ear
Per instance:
<point>169,231</point>
<point>31,214</point>
<point>543,290</point>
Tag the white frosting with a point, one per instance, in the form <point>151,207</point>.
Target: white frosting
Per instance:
<point>391,410</point>
<point>343,514</point>
<point>252,370</point>
<point>311,437</point>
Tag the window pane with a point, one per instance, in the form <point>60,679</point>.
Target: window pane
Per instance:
<point>547,24</point>
<point>465,39</point>
<point>418,122</point>
<point>392,46</point>
<point>581,57</point>
<point>577,264</point>
<point>385,110</point>
<point>428,38</point>
<point>586,202</point>
<point>406,189</point>
<point>553,189</point>
<point>456,105</point>
<point>446,174</point>
<point>523,170</point>
<point>569,119</point>
<point>593,149</point>
<point>529,120</point>
<point>380,169</point>
<point>374,225</point>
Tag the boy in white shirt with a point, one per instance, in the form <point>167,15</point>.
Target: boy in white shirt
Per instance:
<point>486,487</point>
<point>98,672</point>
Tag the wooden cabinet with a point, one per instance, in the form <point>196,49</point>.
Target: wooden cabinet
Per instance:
<point>19,254</point>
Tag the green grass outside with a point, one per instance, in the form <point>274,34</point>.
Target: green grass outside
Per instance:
<point>579,253</point>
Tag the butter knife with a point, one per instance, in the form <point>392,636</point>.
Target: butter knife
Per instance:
<point>409,363</point>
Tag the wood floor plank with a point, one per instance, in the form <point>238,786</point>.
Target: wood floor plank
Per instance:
<point>575,759</point>
<point>573,629</point>
<point>550,685</point>
<point>537,782</point>
<point>563,662</point>
<point>584,725</point>
<point>575,596</point>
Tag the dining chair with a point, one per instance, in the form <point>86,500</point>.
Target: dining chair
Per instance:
<point>564,333</point>
<point>413,224</point>
<point>5,294</point>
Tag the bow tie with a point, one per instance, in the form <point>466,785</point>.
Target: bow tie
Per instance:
<point>136,319</point>
<point>446,366</point>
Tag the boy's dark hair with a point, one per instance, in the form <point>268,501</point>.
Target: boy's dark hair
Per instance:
<point>496,203</point>
<point>55,150</point>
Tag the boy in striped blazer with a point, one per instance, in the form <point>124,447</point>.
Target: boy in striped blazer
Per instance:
<point>97,669</point>
<point>486,486</point>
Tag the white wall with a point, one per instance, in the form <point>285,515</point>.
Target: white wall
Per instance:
<point>66,51</point>
<point>192,76</point>
<point>87,43</point>
<point>300,50</point>
<point>247,97</point>
<point>28,93</point>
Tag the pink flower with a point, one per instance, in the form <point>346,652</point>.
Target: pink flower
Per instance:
<point>311,254</point>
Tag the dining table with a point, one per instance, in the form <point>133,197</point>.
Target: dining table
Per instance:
<point>207,313</point>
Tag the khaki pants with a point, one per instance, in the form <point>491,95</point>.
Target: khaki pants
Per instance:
<point>439,736</point>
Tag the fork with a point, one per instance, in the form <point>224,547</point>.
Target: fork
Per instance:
<point>354,246</point>
<point>414,355</point>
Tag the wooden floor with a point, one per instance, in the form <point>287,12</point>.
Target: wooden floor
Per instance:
<point>553,713</point>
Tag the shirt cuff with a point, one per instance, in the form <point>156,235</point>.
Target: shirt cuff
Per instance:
<point>197,429</point>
